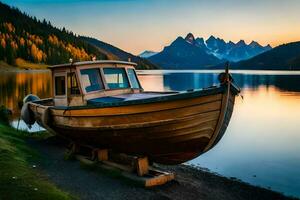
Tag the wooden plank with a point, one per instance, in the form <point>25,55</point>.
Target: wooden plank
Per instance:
<point>84,160</point>
<point>102,154</point>
<point>142,119</point>
<point>185,122</point>
<point>153,180</point>
<point>142,166</point>
<point>159,180</point>
<point>183,129</point>
<point>126,168</point>
<point>140,108</point>
<point>185,136</point>
<point>224,106</point>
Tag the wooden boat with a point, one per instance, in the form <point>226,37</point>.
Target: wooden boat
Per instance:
<point>102,104</point>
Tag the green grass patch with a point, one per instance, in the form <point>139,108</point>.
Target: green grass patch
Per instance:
<point>18,178</point>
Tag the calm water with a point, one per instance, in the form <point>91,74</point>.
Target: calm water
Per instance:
<point>262,143</point>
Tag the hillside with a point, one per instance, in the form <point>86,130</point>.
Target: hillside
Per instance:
<point>119,54</point>
<point>25,39</point>
<point>283,57</point>
<point>22,36</point>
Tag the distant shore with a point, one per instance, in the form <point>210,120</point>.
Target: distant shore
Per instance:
<point>21,65</point>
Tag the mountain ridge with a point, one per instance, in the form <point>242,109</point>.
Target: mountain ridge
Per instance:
<point>234,51</point>
<point>282,57</point>
<point>213,47</point>
<point>183,53</point>
<point>147,54</point>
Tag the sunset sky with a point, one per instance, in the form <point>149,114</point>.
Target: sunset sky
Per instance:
<point>137,25</point>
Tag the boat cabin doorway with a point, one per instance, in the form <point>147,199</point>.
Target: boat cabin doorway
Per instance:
<point>66,89</point>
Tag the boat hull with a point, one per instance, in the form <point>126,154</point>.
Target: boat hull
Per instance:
<point>167,130</point>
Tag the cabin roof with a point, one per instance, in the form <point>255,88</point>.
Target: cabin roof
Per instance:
<point>92,62</point>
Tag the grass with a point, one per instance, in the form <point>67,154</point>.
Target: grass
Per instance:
<point>18,178</point>
<point>23,64</point>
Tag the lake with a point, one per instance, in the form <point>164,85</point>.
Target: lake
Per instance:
<point>262,143</point>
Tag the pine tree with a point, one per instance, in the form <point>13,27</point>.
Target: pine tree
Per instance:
<point>10,54</point>
<point>1,53</point>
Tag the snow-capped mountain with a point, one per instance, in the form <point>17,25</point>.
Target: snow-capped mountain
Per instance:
<point>234,51</point>
<point>147,54</point>
<point>190,52</point>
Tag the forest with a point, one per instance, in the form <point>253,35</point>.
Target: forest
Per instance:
<point>28,38</point>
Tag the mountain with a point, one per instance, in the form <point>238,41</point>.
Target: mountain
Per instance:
<point>147,54</point>
<point>216,46</point>
<point>209,52</point>
<point>200,43</point>
<point>242,51</point>
<point>184,53</point>
<point>119,54</point>
<point>283,57</point>
<point>234,52</point>
<point>23,37</point>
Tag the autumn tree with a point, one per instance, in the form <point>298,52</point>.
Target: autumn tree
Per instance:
<point>38,41</point>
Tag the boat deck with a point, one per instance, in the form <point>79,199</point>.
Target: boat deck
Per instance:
<point>128,97</point>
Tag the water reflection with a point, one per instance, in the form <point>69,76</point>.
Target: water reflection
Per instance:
<point>152,82</point>
<point>14,86</point>
<point>184,81</point>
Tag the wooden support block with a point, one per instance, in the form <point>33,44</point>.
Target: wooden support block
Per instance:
<point>75,148</point>
<point>85,160</point>
<point>103,155</point>
<point>154,178</point>
<point>159,179</point>
<point>135,168</point>
<point>126,168</point>
<point>142,166</point>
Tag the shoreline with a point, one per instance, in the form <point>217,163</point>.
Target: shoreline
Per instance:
<point>19,177</point>
<point>22,66</point>
<point>72,179</point>
<point>33,67</point>
<point>190,182</point>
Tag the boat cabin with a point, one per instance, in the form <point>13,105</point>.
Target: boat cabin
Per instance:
<point>75,84</point>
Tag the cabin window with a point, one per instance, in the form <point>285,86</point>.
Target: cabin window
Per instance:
<point>60,85</point>
<point>91,80</point>
<point>133,79</point>
<point>116,78</point>
<point>73,88</point>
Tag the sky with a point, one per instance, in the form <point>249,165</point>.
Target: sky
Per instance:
<point>138,25</point>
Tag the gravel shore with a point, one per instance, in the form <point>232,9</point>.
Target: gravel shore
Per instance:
<point>190,183</point>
